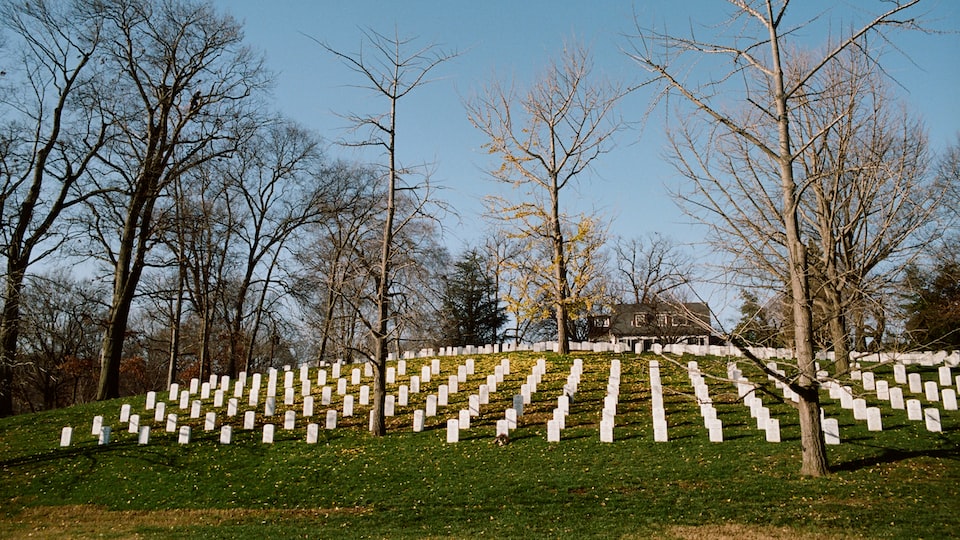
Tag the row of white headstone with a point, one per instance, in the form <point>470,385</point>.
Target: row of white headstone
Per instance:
<point>559,421</point>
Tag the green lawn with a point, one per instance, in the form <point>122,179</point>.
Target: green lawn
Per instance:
<point>903,482</point>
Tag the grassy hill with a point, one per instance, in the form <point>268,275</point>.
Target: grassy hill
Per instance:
<point>903,482</point>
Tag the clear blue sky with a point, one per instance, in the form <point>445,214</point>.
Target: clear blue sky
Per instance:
<point>512,40</point>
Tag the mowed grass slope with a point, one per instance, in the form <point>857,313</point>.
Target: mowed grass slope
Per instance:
<point>903,482</point>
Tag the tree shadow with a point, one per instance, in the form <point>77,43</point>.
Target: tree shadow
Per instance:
<point>894,455</point>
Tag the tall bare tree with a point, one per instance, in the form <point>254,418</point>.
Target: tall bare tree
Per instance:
<point>545,139</point>
<point>53,128</point>
<point>742,161</point>
<point>183,79</point>
<point>395,69</point>
<point>870,199</point>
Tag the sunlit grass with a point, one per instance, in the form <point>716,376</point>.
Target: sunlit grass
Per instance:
<point>902,482</point>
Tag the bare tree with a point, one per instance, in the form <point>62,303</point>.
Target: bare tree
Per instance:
<point>649,269</point>
<point>394,71</point>
<point>55,129</point>
<point>545,139</point>
<point>733,156</point>
<point>182,81</point>
<point>870,201</point>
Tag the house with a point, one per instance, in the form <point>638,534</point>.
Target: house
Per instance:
<point>651,323</point>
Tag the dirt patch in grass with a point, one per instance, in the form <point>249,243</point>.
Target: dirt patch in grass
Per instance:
<point>734,531</point>
<point>88,521</point>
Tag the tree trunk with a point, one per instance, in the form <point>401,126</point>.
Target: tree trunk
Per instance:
<point>813,447</point>
<point>560,272</point>
<point>10,331</point>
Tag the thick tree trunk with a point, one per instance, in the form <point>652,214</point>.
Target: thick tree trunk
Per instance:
<point>10,332</point>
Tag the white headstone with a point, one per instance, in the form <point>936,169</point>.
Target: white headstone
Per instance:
<point>308,406</point>
<point>174,392</point>
<point>305,387</point>
<point>270,406</point>
<point>185,399</point>
<point>464,419</point>
<point>453,430</point>
<point>503,427</point>
<point>484,394</point>
<point>288,395</point>
<point>949,399</point>
<point>194,386</point>
<point>365,395</point>
<point>716,430</point>
<point>321,377</point>
<point>660,430</point>
<point>773,430</point>
<point>331,422</point>
<point>347,405</point>
<point>443,397</point>
<point>268,430</point>
<point>900,373</point>
<point>341,386</point>
<point>425,374</point>
<point>435,366</point>
<point>160,411</point>
<point>232,407</point>
<point>390,405</point>
<point>97,425</point>
<point>210,421</point>
<point>391,375</point>
<point>289,420</point>
<point>453,384</point>
<point>249,418</point>
<point>133,426</point>
<point>462,374</point>
<point>66,435</point>
<point>945,376</point>
<point>883,390</point>
<point>401,367</point>
<point>931,417</point>
<point>254,395</point>
<point>367,369</point>
<point>473,405</point>
<point>313,432</point>
<point>151,400</point>
<point>144,435</point>
<point>606,431</point>
<point>471,366</point>
<point>874,423</point>
<point>171,423</point>
<point>414,384</point>
<point>184,435</point>
<point>916,384</point>
<point>914,410</point>
<point>335,370</point>
<point>403,395</point>
<point>931,391</point>
<point>553,431</point>
<point>418,420</point>
<point>431,405</point>
<point>326,395</point>
<point>205,391</point>
<point>831,430</point>
<point>869,383</point>
<point>218,398</point>
<point>896,398</point>
<point>355,374</point>
<point>195,408</point>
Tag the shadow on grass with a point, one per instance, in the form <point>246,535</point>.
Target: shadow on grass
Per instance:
<point>894,455</point>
